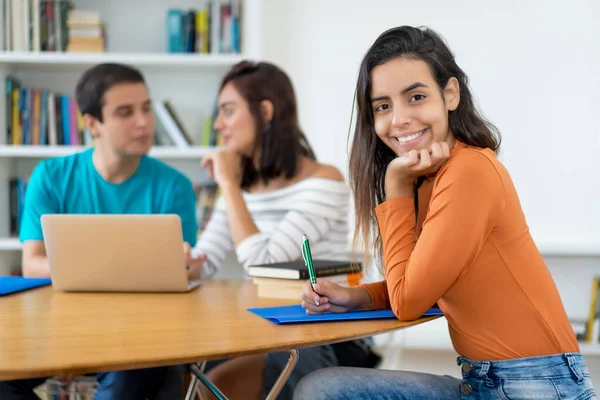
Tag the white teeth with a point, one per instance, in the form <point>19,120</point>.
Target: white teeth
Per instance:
<point>409,138</point>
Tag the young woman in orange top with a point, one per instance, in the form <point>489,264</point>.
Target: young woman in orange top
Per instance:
<point>450,231</point>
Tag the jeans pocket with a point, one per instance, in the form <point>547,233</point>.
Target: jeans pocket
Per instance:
<point>528,389</point>
<point>569,389</point>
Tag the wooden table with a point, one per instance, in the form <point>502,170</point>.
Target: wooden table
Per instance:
<point>48,333</point>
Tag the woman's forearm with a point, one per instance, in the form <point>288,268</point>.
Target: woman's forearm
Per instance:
<point>241,223</point>
<point>361,299</point>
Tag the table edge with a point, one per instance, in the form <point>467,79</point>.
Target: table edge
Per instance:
<point>127,365</point>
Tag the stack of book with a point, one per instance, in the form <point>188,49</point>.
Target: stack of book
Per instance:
<point>286,280</point>
<point>86,32</point>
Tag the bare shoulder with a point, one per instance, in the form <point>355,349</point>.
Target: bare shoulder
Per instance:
<point>328,172</point>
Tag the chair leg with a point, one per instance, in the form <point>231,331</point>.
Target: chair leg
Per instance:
<point>194,387</point>
<point>199,377</point>
<point>284,375</point>
<point>206,382</point>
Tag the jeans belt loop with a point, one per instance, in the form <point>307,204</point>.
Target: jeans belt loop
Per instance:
<point>574,370</point>
<point>483,373</point>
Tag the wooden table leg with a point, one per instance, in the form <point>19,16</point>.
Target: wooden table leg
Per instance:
<point>284,375</point>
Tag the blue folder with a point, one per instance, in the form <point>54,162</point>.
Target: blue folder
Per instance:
<point>13,284</point>
<point>296,314</point>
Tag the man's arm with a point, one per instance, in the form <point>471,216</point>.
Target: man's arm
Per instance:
<point>34,261</point>
<point>40,199</point>
<point>184,205</point>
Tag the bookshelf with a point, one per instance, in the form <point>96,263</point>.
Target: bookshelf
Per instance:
<point>434,336</point>
<point>10,244</point>
<point>161,152</point>
<point>136,35</point>
<point>46,59</point>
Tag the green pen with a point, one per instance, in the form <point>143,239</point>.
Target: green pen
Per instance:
<point>309,263</point>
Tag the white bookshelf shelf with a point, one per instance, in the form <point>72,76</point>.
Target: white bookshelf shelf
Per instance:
<point>581,248</point>
<point>588,349</point>
<point>24,59</point>
<point>167,152</point>
<point>434,336</point>
<point>8,244</point>
<point>161,152</point>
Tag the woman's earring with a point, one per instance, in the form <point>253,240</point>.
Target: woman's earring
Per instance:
<point>268,126</point>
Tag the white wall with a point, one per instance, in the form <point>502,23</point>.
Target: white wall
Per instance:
<point>534,69</point>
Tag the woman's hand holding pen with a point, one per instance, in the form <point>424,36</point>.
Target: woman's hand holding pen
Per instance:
<point>225,167</point>
<point>331,297</point>
<point>402,171</point>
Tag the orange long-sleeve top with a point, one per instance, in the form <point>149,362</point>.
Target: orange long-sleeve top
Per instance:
<point>471,252</point>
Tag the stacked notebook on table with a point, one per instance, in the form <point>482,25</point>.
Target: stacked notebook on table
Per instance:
<point>286,280</point>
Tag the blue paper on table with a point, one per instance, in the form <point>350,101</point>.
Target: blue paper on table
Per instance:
<point>13,284</point>
<point>295,314</point>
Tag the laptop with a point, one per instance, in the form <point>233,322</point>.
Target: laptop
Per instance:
<point>116,252</point>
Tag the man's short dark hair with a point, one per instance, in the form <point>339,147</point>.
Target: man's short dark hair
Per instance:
<point>96,81</point>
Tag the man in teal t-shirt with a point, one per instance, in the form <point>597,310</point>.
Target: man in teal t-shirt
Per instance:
<point>115,177</point>
<point>72,185</point>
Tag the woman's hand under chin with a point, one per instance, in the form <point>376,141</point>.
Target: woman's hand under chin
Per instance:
<point>224,166</point>
<point>402,171</point>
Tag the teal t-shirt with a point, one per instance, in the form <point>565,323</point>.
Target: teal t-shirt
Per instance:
<point>71,185</point>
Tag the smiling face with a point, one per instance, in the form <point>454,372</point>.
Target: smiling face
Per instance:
<point>409,110</point>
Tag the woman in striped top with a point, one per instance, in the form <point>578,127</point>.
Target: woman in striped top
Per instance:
<point>273,191</point>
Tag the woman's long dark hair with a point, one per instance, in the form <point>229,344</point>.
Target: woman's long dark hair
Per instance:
<point>281,140</point>
<point>369,156</point>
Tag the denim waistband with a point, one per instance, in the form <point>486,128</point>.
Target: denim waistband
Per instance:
<point>532,367</point>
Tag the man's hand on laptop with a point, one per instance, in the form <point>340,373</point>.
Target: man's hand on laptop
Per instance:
<point>193,264</point>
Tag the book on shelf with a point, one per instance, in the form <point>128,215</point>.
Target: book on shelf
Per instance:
<point>35,25</point>
<point>170,130</point>
<point>215,28</point>
<point>592,324</point>
<point>16,192</point>
<point>36,116</point>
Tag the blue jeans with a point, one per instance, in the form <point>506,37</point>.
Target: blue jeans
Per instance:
<point>560,376</point>
<point>161,383</point>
